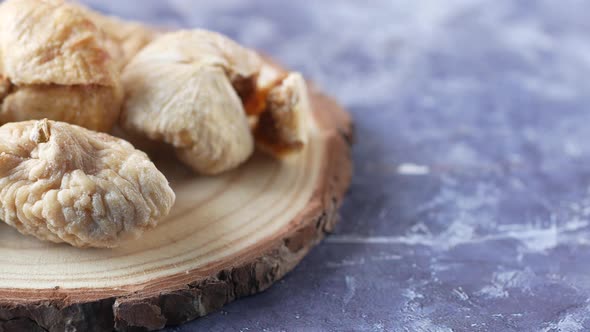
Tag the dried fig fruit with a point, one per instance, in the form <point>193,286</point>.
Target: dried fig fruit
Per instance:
<point>122,39</point>
<point>281,127</point>
<point>180,91</point>
<point>63,183</point>
<point>183,89</point>
<point>53,64</point>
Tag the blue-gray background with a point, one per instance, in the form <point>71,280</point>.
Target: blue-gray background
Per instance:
<point>470,205</point>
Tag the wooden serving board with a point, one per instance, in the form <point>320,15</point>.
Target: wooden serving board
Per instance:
<point>227,237</point>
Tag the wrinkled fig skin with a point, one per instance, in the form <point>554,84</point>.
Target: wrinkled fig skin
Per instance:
<point>179,90</point>
<point>64,183</point>
<point>54,64</point>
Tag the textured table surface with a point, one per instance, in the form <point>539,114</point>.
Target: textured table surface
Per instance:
<point>470,205</point>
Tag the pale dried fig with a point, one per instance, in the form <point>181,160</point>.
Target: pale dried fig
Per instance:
<point>64,183</point>
<point>180,91</point>
<point>282,128</point>
<point>183,89</point>
<point>122,39</point>
<point>53,64</point>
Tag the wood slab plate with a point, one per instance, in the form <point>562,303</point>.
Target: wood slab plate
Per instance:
<point>227,237</point>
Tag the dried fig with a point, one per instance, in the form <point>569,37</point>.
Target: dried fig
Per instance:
<point>281,126</point>
<point>200,91</point>
<point>53,64</point>
<point>180,91</point>
<point>63,183</point>
<point>122,39</point>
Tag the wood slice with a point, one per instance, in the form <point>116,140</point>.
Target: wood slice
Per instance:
<point>227,237</point>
